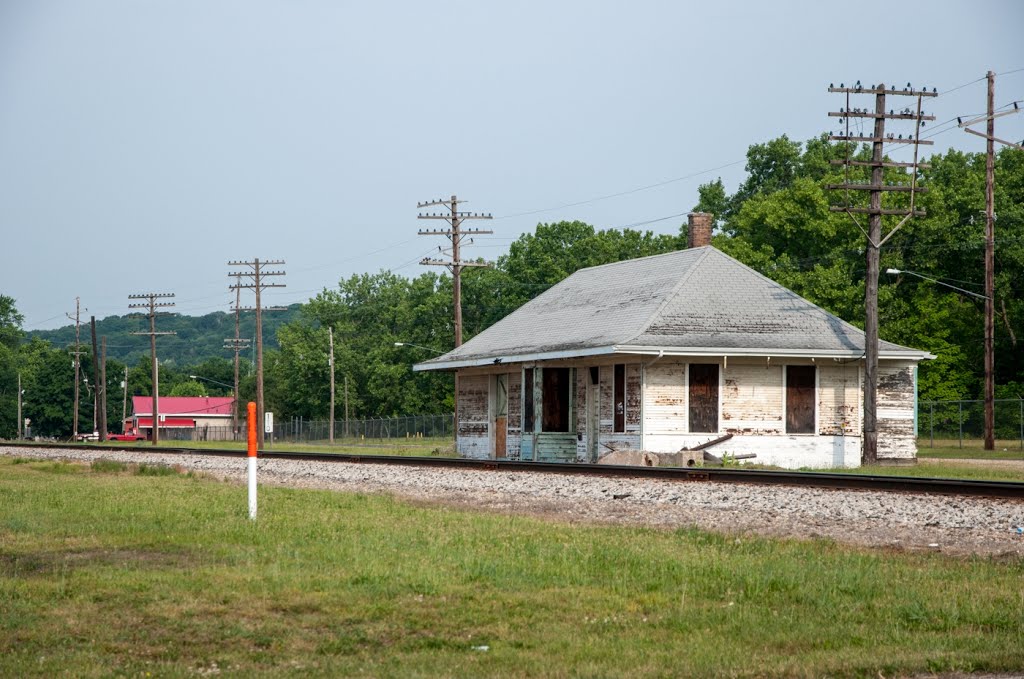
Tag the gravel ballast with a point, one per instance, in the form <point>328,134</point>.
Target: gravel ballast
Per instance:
<point>953,525</point>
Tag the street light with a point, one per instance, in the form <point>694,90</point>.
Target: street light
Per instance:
<point>420,346</point>
<point>989,357</point>
<point>933,280</point>
<point>207,379</point>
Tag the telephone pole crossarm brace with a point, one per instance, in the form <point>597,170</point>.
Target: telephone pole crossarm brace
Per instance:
<point>876,188</point>
<point>151,305</point>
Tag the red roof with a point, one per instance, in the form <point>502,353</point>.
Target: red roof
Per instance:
<point>184,405</point>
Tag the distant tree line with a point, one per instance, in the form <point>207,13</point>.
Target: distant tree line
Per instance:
<point>777,221</point>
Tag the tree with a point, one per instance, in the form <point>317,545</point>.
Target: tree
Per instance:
<point>189,388</point>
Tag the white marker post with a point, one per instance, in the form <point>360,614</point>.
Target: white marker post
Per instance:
<point>252,460</point>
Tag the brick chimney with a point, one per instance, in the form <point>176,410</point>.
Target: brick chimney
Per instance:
<point>699,230</point>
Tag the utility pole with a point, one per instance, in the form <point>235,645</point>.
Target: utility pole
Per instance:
<point>455,233</point>
<point>124,401</point>
<point>21,422</point>
<point>78,362</point>
<point>876,186</point>
<point>152,305</point>
<point>256,274</point>
<point>102,386</point>
<point>990,248</point>
<point>98,420</point>
<point>330,363</point>
<point>237,345</point>
<point>346,405</point>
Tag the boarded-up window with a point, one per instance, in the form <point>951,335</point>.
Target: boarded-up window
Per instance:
<point>528,399</point>
<point>556,399</point>
<point>703,397</point>
<point>619,397</point>
<point>800,399</point>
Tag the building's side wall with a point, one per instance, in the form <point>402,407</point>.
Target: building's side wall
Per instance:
<point>752,409</point>
<point>839,399</point>
<point>611,440</point>
<point>473,434</point>
<point>896,440</point>
<point>752,401</point>
<point>664,406</point>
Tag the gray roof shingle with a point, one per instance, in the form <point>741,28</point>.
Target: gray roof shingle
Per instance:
<point>699,300</point>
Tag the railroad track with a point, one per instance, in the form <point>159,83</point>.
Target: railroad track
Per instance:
<point>997,489</point>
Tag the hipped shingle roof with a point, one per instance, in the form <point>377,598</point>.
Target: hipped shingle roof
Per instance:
<point>698,302</point>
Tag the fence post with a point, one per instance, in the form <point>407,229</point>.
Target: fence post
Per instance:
<point>931,425</point>
<point>961,420</point>
<point>1021,403</point>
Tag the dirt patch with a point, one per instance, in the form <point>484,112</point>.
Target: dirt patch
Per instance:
<point>28,564</point>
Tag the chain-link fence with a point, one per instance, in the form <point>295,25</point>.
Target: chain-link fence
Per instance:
<point>301,430</point>
<point>944,423</point>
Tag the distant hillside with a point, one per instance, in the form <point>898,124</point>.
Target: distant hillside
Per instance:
<point>197,338</point>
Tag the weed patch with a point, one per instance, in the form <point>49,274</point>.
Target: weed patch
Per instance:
<point>104,466</point>
<point>146,469</point>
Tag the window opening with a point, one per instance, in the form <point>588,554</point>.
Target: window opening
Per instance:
<point>528,400</point>
<point>619,397</point>
<point>555,399</point>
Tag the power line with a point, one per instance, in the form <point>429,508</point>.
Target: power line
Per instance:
<point>622,193</point>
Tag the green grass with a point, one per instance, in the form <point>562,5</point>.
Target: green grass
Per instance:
<point>112,573</point>
<point>1005,450</point>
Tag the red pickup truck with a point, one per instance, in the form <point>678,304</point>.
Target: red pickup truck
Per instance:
<point>128,435</point>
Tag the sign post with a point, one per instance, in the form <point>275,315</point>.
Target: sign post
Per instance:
<point>268,427</point>
<point>252,459</point>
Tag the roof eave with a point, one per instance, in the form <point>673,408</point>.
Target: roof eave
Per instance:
<point>513,358</point>
<point>910,355</point>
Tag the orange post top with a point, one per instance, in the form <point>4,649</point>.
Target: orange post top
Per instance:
<point>252,429</point>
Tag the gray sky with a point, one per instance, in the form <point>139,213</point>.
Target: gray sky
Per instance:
<point>144,144</point>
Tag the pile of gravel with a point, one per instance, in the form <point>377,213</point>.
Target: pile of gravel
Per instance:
<point>957,525</point>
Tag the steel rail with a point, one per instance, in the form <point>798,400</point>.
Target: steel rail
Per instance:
<point>826,480</point>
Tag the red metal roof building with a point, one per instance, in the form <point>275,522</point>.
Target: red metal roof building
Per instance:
<point>203,417</point>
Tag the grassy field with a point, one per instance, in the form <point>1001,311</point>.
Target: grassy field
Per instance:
<point>1005,450</point>
<point>115,570</point>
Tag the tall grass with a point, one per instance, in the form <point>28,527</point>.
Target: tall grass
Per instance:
<point>105,573</point>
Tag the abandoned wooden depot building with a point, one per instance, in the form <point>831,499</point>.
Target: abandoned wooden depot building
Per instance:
<point>668,352</point>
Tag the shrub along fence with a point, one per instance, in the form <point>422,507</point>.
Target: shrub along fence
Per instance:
<point>300,430</point>
<point>965,420</point>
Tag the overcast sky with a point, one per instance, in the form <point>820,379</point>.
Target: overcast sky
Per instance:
<point>145,144</point>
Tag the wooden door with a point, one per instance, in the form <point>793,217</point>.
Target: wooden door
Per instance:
<point>500,415</point>
<point>800,399</point>
<point>704,397</point>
